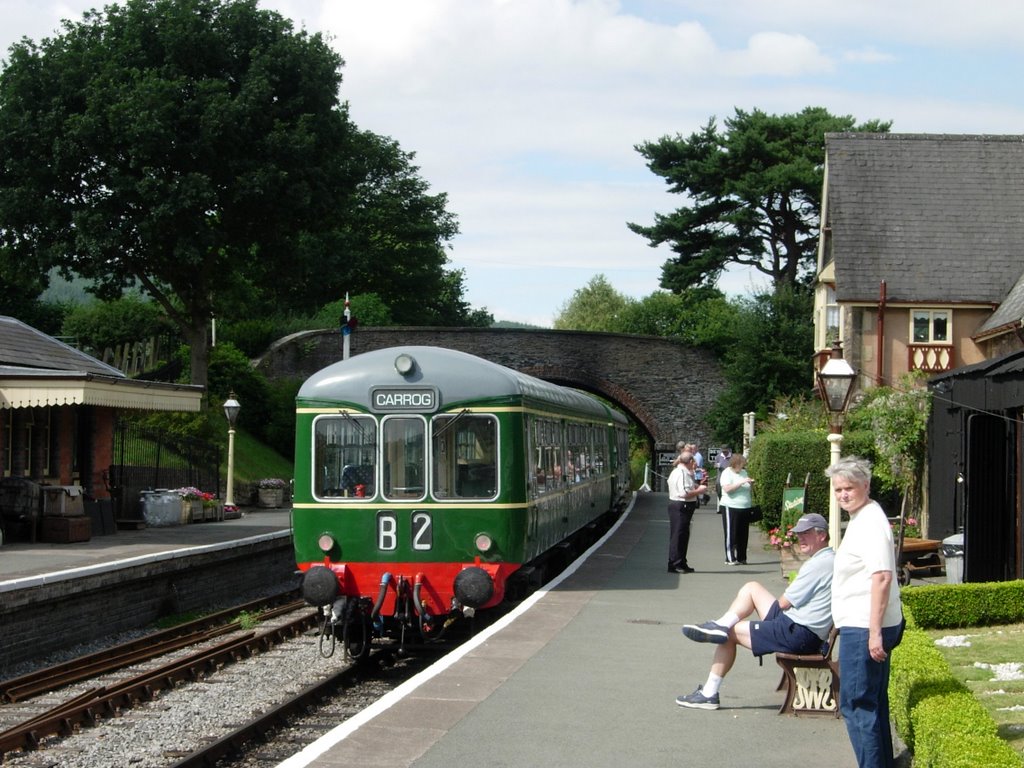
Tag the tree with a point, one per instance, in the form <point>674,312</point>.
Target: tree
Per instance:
<point>768,356</point>
<point>183,146</point>
<point>391,242</point>
<point>756,195</point>
<point>100,325</point>
<point>597,306</point>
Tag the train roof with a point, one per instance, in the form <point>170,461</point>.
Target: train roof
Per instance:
<point>456,376</point>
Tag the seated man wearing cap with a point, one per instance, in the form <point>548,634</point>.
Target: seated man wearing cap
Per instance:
<point>797,622</point>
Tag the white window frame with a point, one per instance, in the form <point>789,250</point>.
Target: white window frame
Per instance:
<point>932,315</point>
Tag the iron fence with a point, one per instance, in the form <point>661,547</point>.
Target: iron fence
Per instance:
<point>150,459</point>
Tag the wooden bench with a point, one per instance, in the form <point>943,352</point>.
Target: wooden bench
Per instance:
<point>811,681</point>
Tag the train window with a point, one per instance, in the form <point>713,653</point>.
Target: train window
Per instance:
<point>404,457</point>
<point>345,459</point>
<point>465,456</point>
<point>548,455</point>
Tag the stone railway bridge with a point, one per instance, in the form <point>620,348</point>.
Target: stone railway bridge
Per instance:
<point>664,386</point>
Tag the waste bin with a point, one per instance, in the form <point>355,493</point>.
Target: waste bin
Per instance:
<point>161,508</point>
<point>953,551</point>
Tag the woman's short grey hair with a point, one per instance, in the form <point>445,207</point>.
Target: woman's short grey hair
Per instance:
<point>852,468</point>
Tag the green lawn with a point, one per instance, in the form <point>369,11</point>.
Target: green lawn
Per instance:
<point>990,661</point>
<point>254,460</point>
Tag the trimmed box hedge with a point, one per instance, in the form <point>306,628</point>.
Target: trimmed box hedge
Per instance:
<point>935,714</point>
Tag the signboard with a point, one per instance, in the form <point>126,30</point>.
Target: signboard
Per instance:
<point>404,399</point>
<point>665,458</point>
<point>792,505</point>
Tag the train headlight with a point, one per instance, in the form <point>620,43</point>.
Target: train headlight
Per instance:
<point>484,543</point>
<point>405,364</point>
<point>326,543</point>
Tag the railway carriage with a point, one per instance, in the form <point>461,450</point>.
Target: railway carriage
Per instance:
<point>430,483</point>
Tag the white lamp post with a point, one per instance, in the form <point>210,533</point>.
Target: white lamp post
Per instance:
<point>231,409</point>
<point>836,380</point>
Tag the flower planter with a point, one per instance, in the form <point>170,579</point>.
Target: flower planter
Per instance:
<point>269,498</point>
<point>790,560</point>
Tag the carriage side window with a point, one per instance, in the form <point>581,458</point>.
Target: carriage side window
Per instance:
<point>547,457</point>
<point>465,456</point>
<point>404,456</point>
<point>345,456</point>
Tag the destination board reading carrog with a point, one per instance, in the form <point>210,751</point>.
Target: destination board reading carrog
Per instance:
<point>409,399</point>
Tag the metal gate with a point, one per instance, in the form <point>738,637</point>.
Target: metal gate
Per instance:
<point>148,459</point>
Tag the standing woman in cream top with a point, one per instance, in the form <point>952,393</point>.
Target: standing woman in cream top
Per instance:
<point>866,609</point>
<point>734,505</point>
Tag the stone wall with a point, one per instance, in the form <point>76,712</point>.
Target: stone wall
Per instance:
<point>38,620</point>
<point>665,386</point>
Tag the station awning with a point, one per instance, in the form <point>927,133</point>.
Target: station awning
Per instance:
<point>39,391</point>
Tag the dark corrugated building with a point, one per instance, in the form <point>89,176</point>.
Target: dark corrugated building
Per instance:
<point>975,455</point>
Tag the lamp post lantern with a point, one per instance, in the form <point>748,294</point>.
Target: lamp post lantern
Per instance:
<point>836,382</point>
<point>231,409</point>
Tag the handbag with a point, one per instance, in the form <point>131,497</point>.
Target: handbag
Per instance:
<point>755,514</point>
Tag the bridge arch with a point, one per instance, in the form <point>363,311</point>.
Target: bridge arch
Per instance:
<point>663,385</point>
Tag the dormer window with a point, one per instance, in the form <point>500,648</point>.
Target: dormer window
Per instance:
<point>930,326</point>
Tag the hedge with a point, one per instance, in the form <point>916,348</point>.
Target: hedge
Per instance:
<point>774,456</point>
<point>935,714</point>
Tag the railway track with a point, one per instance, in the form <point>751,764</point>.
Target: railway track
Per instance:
<point>28,723</point>
<point>290,725</point>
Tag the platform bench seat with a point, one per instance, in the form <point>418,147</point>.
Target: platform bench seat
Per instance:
<point>811,681</point>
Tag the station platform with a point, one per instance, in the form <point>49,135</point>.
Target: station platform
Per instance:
<point>55,595</point>
<point>24,564</point>
<point>586,672</point>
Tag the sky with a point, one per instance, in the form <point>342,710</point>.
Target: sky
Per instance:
<point>526,113</point>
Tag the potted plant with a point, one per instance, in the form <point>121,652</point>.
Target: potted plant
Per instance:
<point>785,543</point>
<point>192,504</point>
<point>270,492</point>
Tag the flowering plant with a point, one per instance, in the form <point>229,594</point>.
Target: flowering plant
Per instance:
<point>779,540</point>
<point>271,482</point>
<point>911,528</point>
<point>189,493</point>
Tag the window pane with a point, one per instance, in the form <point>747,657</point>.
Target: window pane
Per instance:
<point>345,456</point>
<point>404,458</point>
<point>465,456</point>
<point>921,322</point>
<point>940,326</point>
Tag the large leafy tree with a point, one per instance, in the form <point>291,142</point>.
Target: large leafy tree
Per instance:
<point>190,147</point>
<point>391,242</point>
<point>754,194</point>
<point>597,306</point>
<point>768,356</point>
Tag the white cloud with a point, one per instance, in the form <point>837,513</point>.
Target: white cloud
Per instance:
<point>525,112</point>
<point>776,54</point>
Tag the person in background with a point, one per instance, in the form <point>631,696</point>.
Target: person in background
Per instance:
<point>683,492</point>
<point>734,505</point>
<point>797,622</point>
<point>867,611</point>
<point>699,472</point>
<point>721,462</point>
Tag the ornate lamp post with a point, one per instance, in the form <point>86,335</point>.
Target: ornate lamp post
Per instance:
<point>231,409</point>
<point>836,382</point>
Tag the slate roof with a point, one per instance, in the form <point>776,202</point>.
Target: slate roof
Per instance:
<point>29,351</point>
<point>38,370</point>
<point>940,218</point>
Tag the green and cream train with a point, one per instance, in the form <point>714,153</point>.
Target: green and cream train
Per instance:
<point>430,483</point>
